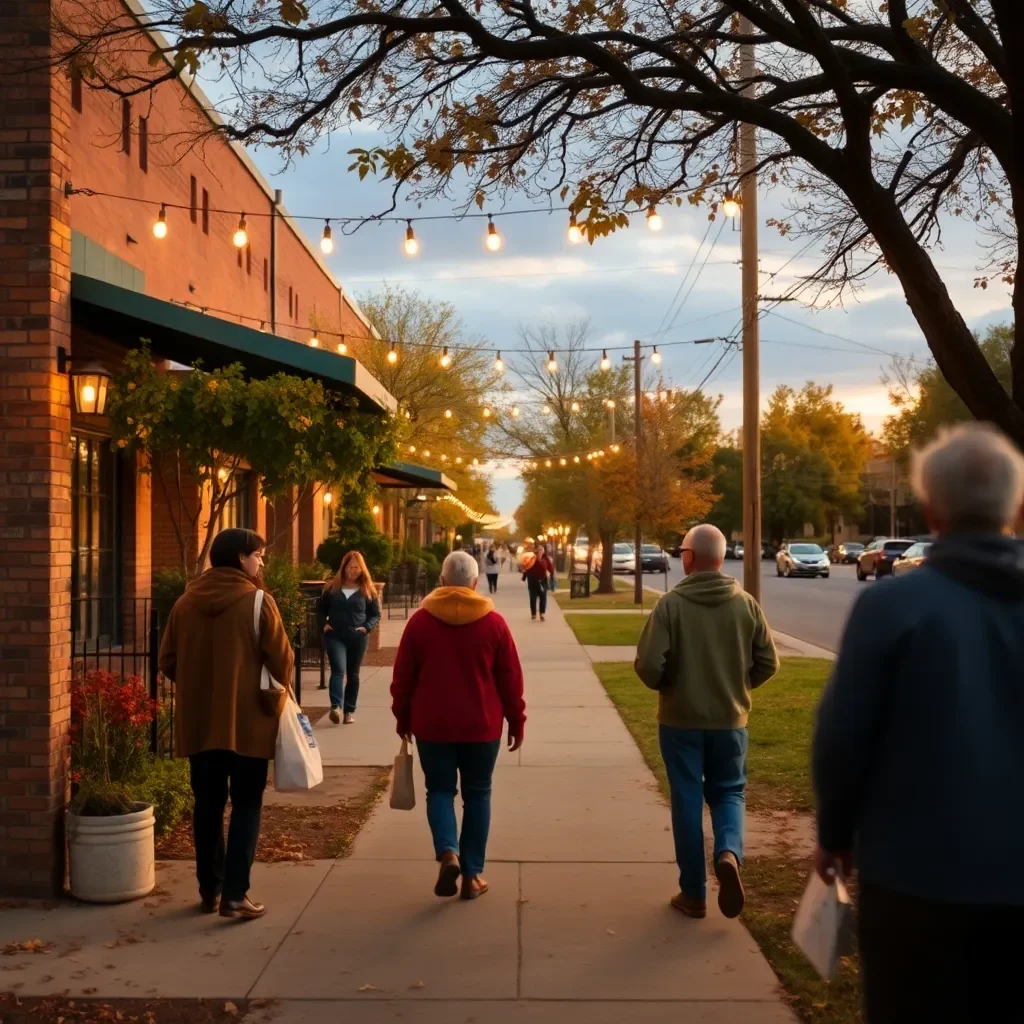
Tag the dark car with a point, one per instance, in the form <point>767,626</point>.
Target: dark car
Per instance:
<point>653,559</point>
<point>878,558</point>
<point>676,548</point>
<point>768,551</point>
<point>846,554</point>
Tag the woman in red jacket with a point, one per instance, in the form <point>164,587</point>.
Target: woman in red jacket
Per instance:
<point>456,680</point>
<point>537,577</point>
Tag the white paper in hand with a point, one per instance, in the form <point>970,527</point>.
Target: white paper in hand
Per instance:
<point>823,926</point>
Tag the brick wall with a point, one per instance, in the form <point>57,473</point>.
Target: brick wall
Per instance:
<point>35,463</point>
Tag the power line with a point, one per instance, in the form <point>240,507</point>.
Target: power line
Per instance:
<point>686,276</point>
<point>679,309</point>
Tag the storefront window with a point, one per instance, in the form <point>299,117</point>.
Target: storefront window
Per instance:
<point>95,530</point>
<point>237,510</point>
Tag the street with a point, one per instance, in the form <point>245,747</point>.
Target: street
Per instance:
<point>813,610</point>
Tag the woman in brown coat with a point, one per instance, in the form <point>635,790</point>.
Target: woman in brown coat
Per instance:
<point>224,724</point>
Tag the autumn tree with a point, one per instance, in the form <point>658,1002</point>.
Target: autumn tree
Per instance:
<point>881,119</point>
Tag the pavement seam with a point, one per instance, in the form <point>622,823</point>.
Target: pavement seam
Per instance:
<point>519,936</point>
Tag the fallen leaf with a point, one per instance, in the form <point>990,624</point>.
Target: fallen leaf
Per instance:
<point>368,988</point>
<point>417,984</point>
<point>89,991</point>
<point>230,1008</point>
<point>28,946</point>
<point>610,932</point>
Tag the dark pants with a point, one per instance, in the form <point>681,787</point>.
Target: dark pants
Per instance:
<point>538,594</point>
<point>492,582</point>
<point>345,655</point>
<point>927,961</point>
<point>443,764</point>
<point>225,871</point>
<point>711,765</point>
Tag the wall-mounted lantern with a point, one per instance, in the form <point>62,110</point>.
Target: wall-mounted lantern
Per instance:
<point>89,384</point>
<point>328,498</point>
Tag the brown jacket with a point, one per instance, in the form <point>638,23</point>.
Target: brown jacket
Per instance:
<point>210,651</point>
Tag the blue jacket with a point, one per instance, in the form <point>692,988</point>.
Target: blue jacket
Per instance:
<point>919,746</point>
<point>347,613</point>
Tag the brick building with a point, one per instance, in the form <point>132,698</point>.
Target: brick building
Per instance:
<point>82,278</point>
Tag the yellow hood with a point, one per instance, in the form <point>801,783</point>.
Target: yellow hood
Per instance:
<point>457,606</point>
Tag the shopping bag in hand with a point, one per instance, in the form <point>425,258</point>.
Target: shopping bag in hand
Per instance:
<point>297,764</point>
<point>823,926</point>
<point>403,791</point>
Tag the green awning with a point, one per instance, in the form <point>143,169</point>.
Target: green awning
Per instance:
<point>405,474</point>
<point>186,335</point>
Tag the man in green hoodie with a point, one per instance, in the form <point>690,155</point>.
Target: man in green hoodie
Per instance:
<point>705,646</point>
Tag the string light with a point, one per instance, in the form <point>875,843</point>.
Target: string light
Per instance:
<point>493,240</point>
<point>326,242</point>
<point>575,234</point>
<point>656,356</point>
<point>412,449</point>
<point>392,354</point>
<point>487,412</point>
<point>160,224</point>
<point>426,454</point>
<point>547,462</point>
<point>499,366</point>
<point>552,362</point>
<point>654,222</point>
<point>576,459</point>
<point>314,342</point>
<point>546,410</point>
<point>561,462</point>
<point>575,407</point>
<point>606,363</point>
<point>376,510</point>
<point>342,348</point>
<point>458,460</point>
<point>241,236</point>
<point>447,414</point>
<point>515,410</point>
<point>731,205</point>
<point>412,246</point>
<point>446,360</point>
<point>615,448</point>
<point>476,462</point>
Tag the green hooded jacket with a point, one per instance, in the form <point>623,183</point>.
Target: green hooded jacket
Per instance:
<point>705,646</point>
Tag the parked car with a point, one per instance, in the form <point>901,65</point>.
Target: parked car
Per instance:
<point>653,559</point>
<point>878,558</point>
<point>801,559</point>
<point>580,549</point>
<point>768,551</point>
<point>913,558</point>
<point>623,559</point>
<point>730,548</point>
<point>846,554</point>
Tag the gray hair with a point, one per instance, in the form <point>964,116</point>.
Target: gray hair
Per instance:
<point>972,476</point>
<point>459,569</point>
<point>707,543</point>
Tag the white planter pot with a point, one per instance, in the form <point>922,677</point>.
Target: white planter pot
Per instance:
<point>112,857</point>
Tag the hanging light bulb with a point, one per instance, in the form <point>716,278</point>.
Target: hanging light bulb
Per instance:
<point>493,239</point>
<point>499,366</point>
<point>546,409</point>
<point>654,222</point>
<point>447,414</point>
<point>731,205</point>
<point>576,458</point>
<point>241,236</point>
<point>392,354</point>
<point>444,458</point>
<point>160,224</point>
<point>412,246</point>
<point>547,462</point>
<point>408,414</point>
<point>342,348</point>
<point>552,362</point>
<point>376,510</point>
<point>615,447</point>
<point>314,342</point>
<point>412,449</point>
<point>561,462</point>
<point>575,234</point>
<point>446,360</point>
<point>515,410</point>
<point>575,406</point>
<point>606,363</point>
<point>590,455</point>
<point>656,356</point>
<point>476,462</point>
<point>458,460</point>
<point>487,412</point>
<point>222,475</point>
<point>326,242</point>
<point>328,497</point>
<point>426,454</point>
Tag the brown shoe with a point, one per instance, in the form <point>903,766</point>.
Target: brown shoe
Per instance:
<point>208,904</point>
<point>730,888</point>
<point>245,909</point>
<point>448,875</point>
<point>690,907</point>
<point>335,715</point>
<point>473,888</point>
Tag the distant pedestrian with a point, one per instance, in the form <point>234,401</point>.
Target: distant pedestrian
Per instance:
<point>348,612</point>
<point>705,646</point>
<point>456,680</point>
<point>919,750</point>
<point>223,723</point>
<point>502,556</point>
<point>539,575</point>
<point>492,567</point>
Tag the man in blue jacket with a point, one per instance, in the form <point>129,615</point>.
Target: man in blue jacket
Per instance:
<point>919,750</point>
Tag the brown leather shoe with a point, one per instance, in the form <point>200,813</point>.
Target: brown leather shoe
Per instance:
<point>245,909</point>
<point>448,875</point>
<point>690,907</point>
<point>730,888</point>
<point>208,904</point>
<point>473,888</point>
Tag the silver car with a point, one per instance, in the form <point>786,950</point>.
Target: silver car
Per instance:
<point>800,559</point>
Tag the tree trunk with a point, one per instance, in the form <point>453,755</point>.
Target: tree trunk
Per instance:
<point>606,583</point>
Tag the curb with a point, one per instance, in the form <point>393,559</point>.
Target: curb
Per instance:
<point>802,648</point>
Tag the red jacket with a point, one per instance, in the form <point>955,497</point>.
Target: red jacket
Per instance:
<point>457,676</point>
<point>541,569</point>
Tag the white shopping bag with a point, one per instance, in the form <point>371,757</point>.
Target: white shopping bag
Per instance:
<point>823,926</point>
<point>403,790</point>
<point>297,765</point>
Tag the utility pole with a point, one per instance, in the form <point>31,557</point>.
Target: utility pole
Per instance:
<point>751,346</point>
<point>638,401</point>
<point>893,524</point>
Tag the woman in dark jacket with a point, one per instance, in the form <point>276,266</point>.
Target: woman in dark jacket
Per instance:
<point>348,613</point>
<point>538,578</point>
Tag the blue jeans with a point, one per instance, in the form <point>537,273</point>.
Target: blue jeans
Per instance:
<point>345,655</point>
<point>442,764</point>
<point>711,765</point>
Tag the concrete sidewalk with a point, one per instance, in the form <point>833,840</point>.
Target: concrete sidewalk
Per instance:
<point>576,927</point>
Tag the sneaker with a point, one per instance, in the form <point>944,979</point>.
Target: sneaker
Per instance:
<point>690,907</point>
<point>349,717</point>
<point>335,716</point>
<point>730,891</point>
<point>245,909</point>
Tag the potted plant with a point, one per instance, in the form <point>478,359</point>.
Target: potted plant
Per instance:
<point>110,831</point>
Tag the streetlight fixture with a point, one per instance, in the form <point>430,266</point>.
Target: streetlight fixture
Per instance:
<point>88,384</point>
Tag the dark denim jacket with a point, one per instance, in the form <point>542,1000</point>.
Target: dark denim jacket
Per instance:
<point>346,614</point>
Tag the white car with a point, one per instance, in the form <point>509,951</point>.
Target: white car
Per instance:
<point>580,549</point>
<point>623,558</point>
<point>800,559</point>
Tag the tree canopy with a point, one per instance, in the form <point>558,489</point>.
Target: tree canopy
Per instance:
<point>879,118</point>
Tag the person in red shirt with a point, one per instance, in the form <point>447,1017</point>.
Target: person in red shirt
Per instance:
<point>538,575</point>
<point>456,681</point>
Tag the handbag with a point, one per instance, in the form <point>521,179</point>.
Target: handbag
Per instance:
<point>823,926</point>
<point>297,763</point>
<point>403,788</point>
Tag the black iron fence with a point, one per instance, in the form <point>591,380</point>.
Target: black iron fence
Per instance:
<point>404,587</point>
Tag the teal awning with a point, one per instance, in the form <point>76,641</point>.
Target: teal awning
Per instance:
<point>405,474</point>
<point>186,335</point>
